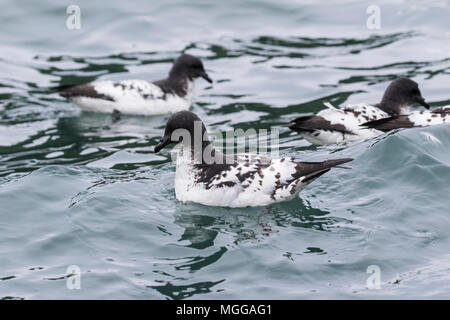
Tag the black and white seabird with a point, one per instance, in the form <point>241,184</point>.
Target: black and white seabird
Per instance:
<point>207,176</point>
<point>422,118</point>
<point>168,95</point>
<point>333,125</point>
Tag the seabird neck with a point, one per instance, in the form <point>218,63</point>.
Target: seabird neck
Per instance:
<point>392,107</point>
<point>203,153</point>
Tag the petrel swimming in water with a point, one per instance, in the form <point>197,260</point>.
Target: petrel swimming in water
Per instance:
<point>169,95</point>
<point>333,125</point>
<point>207,176</point>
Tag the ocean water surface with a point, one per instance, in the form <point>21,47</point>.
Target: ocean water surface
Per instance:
<point>77,189</point>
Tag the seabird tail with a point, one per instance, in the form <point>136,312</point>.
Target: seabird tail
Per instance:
<point>81,90</point>
<point>312,170</point>
<point>309,123</point>
<point>65,91</point>
<point>62,88</point>
<point>300,124</point>
<point>313,123</point>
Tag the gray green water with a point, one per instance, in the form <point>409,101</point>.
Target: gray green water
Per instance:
<point>76,189</point>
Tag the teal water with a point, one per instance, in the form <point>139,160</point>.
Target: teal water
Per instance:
<point>77,189</point>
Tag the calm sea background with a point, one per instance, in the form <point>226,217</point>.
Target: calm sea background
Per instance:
<point>78,189</point>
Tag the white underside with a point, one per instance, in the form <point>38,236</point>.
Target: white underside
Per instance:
<point>130,100</point>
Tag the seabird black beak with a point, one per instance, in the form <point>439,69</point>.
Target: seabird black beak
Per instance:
<point>164,142</point>
<point>205,76</point>
<point>422,102</point>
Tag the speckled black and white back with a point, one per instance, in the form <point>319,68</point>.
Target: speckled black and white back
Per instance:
<point>135,97</point>
<point>334,125</point>
<point>422,118</point>
<point>169,95</point>
<point>251,180</point>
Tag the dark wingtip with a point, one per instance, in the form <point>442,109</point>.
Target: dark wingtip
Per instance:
<point>81,90</point>
<point>296,124</point>
<point>314,175</point>
<point>371,124</point>
<point>335,162</point>
<point>64,90</point>
<point>61,88</point>
<point>325,166</point>
<point>384,124</point>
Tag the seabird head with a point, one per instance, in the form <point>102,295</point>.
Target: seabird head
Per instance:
<point>185,127</point>
<point>189,66</point>
<point>401,93</point>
